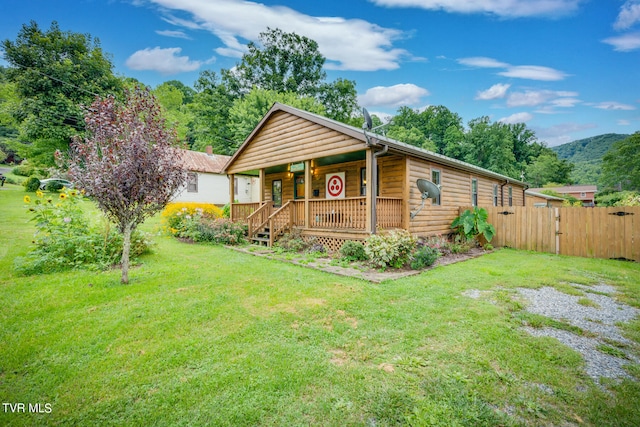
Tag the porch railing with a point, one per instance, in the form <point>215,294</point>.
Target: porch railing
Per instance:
<point>257,220</point>
<point>389,212</point>
<point>342,214</point>
<point>346,213</point>
<point>241,211</point>
<point>280,221</point>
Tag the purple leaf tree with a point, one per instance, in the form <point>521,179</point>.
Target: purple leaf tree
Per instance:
<point>128,162</point>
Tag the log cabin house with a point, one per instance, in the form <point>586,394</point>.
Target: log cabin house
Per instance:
<point>335,182</point>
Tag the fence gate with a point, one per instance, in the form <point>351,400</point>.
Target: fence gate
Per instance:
<point>586,232</point>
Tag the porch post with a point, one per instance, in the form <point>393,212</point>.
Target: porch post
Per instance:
<point>262,186</point>
<point>307,193</point>
<point>232,192</point>
<point>370,166</point>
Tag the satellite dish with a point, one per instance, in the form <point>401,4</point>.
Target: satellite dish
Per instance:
<point>368,124</point>
<point>429,190</point>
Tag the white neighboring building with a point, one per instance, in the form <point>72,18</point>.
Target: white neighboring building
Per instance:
<point>206,183</point>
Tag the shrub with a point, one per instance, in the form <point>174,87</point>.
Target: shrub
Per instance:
<point>293,242</point>
<point>65,239</point>
<point>23,170</point>
<point>219,230</point>
<point>424,257</point>
<point>472,223</point>
<point>460,244</point>
<point>353,251</point>
<point>181,219</point>
<point>54,186</point>
<point>32,184</point>
<point>390,250</point>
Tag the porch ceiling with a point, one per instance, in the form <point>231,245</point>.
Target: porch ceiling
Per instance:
<point>323,161</point>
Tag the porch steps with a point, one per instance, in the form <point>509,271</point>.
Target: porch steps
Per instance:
<point>262,238</point>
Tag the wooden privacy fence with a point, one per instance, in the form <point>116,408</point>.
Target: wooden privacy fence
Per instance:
<point>586,232</point>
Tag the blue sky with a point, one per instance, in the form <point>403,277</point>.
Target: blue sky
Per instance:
<point>569,69</point>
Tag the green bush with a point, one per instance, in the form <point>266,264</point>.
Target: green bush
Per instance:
<point>66,240</point>
<point>220,230</point>
<point>353,251</point>
<point>424,257</point>
<point>392,249</point>
<point>23,170</point>
<point>293,242</point>
<point>472,223</point>
<point>54,186</point>
<point>32,184</point>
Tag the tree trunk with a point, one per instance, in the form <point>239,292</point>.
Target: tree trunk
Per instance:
<point>126,246</point>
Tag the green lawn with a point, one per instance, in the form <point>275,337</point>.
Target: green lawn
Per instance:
<point>204,335</point>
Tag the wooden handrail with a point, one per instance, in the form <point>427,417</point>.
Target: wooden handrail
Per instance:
<point>279,221</point>
<point>258,219</point>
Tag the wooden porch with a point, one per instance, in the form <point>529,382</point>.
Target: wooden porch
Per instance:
<point>325,218</point>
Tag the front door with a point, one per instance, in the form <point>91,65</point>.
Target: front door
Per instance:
<point>298,186</point>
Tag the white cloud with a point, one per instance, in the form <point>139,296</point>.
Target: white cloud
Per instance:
<point>625,42</point>
<point>533,72</point>
<point>613,105</point>
<point>628,16</point>
<point>393,96</point>
<point>516,118</point>
<point>623,122</point>
<point>175,34</point>
<point>494,92</point>
<point>166,61</point>
<point>348,44</point>
<point>482,62</point>
<point>562,133</point>
<point>502,8</point>
<point>532,98</point>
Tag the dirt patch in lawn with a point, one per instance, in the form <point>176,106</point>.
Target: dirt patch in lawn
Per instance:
<point>354,269</point>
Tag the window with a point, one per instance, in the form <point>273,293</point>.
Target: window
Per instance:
<point>583,194</point>
<point>363,181</point>
<point>495,194</point>
<point>192,182</point>
<point>235,186</point>
<point>474,192</point>
<point>510,196</point>
<point>435,178</point>
<point>276,192</point>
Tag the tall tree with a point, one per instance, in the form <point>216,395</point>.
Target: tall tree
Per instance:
<point>55,72</point>
<point>621,164</point>
<point>285,62</point>
<point>548,168</point>
<point>490,146</point>
<point>210,109</point>
<point>128,162</point>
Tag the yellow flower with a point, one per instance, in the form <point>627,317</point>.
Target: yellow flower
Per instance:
<point>27,199</point>
<point>39,193</point>
<point>63,196</point>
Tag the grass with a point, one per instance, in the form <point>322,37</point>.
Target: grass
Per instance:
<point>204,335</point>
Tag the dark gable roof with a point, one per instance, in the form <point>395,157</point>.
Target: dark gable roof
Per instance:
<point>196,161</point>
<point>356,133</point>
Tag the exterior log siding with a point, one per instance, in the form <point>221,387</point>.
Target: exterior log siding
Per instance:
<point>286,138</point>
<point>455,192</point>
<point>287,135</point>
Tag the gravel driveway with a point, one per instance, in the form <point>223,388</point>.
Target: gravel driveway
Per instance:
<point>600,317</point>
